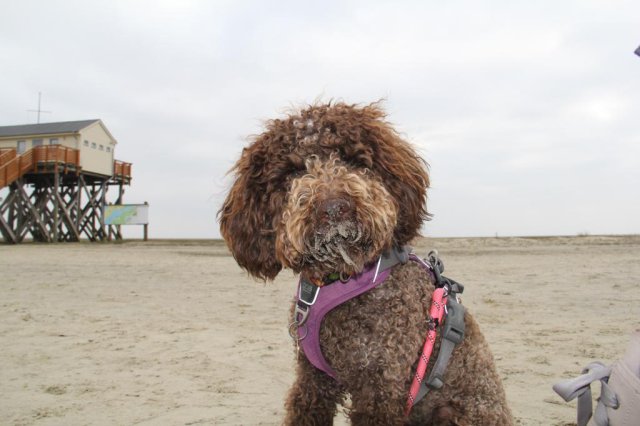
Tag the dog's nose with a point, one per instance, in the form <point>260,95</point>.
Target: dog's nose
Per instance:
<point>335,209</point>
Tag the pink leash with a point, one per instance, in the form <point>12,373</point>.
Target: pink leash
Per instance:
<point>436,313</point>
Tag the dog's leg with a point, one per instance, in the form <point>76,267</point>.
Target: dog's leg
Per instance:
<point>377,409</point>
<point>379,400</point>
<point>313,398</point>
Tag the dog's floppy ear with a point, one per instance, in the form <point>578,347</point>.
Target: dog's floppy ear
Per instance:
<point>404,173</point>
<point>249,211</point>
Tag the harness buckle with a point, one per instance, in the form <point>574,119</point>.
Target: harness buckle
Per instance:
<point>308,292</point>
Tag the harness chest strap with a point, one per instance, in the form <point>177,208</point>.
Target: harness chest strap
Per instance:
<point>307,320</point>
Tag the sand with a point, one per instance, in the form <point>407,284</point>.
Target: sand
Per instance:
<point>174,333</point>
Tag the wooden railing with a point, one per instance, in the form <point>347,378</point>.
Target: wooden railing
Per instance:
<point>121,169</point>
<point>56,154</point>
<point>13,166</point>
<point>6,155</point>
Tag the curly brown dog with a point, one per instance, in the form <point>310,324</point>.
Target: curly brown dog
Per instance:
<point>325,192</point>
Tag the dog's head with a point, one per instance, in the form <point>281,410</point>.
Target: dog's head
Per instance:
<point>324,191</point>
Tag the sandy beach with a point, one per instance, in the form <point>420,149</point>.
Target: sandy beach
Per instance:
<point>174,333</point>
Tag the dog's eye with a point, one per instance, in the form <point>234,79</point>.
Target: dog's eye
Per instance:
<point>295,162</point>
<point>359,155</point>
<point>361,161</point>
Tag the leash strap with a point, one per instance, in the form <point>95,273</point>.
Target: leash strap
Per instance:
<point>452,335</point>
<point>452,315</point>
<point>436,313</point>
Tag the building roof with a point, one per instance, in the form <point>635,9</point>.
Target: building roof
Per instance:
<point>45,128</point>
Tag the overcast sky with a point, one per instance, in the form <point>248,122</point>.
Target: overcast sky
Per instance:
<point>527,111</point>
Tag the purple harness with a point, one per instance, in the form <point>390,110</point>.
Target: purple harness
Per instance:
<point>313,302</point>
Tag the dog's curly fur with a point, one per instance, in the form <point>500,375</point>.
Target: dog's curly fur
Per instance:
<point>327,190</point>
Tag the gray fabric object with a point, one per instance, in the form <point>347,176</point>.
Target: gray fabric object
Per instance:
<point>625,382</point>
<point>619,400</point>
<point>580,388</point>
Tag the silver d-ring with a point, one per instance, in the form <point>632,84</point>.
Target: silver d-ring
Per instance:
<point>293,333</point>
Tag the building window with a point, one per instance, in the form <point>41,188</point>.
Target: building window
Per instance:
<point>108,149</point>
<point>36,142</point>
<point>94,145</point>
<point>86,142</point>
<point>22,147</point>
<point>101,147</point>
<point>54,141</point>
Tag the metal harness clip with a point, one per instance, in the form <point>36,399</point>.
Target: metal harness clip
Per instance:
<point>300,314</point>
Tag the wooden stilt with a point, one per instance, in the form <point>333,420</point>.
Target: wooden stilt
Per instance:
<point>56,204</point>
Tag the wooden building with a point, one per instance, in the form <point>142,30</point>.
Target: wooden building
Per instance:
<point>54,179</point>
